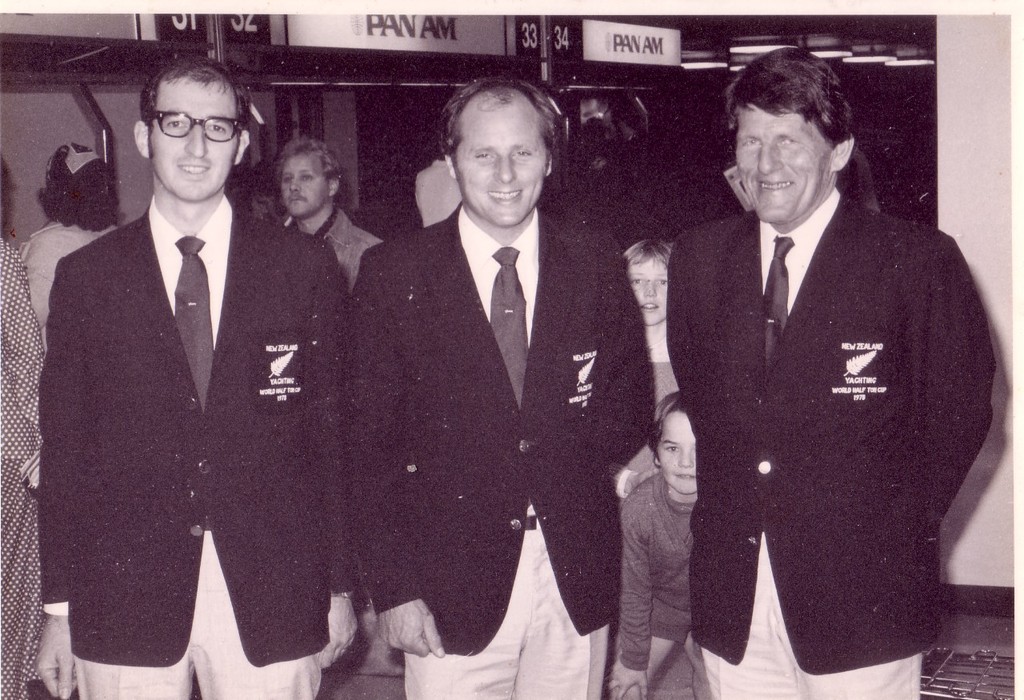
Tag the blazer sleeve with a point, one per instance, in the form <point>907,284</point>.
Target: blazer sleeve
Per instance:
<point>381,385</point>
<point>958,365</point>
<point>332,315</point>
<point>64,423</point>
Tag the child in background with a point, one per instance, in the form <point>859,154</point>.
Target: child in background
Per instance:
<point>647,270</point>
<point>654,610</point>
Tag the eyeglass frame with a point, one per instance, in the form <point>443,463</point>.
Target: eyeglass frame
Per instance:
<point>237,125</point>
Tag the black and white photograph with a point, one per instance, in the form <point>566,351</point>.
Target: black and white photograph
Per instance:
<point>520,351</point>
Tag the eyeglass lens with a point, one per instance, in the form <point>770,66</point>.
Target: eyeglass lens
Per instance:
<point>178,125</point>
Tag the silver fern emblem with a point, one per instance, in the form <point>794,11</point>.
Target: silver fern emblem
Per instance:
<point>278,365</point>
<point>584,374</point>
<point>855,365</point>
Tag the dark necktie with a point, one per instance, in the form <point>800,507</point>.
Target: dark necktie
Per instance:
<point>192,313</point>
<point>776,297</point>
<point>508,318</point>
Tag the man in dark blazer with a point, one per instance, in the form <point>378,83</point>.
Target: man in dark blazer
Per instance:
<point>192,519</point>
<point>837,410</point>
<point>493,538</point>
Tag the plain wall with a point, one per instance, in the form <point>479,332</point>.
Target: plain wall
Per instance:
<point>975,202</point>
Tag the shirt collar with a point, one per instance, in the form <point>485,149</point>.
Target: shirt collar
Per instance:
<point>807,234</point>
<point>480,246</point>
<point>212,231</point>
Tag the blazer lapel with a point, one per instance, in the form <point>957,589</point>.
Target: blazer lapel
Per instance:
<point>239,269</point>
<point>821,285</point>
<point>554,294</point>
<point>148,320</point>
<point>456,309</point>
<point>742,291</point>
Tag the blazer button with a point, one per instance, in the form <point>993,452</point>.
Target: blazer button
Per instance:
<point>204,466</point>
<point>193,403</point>
<point>410,468</point>
<point>516,524</point>
<point>526,446</point>
<point>764,467</point>
<point>196,530</point>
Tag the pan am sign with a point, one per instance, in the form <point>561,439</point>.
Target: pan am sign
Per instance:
<point>435,33</point>
<point>630,43</point>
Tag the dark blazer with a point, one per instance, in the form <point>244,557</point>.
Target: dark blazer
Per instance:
<point>448,462</point>
<point>131,462</point>
<point>870,417</point>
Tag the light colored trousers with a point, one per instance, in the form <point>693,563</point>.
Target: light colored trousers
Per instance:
<point>536,654</point>
<point>769,670</point>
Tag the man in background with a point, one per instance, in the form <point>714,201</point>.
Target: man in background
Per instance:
<point>310,177</point>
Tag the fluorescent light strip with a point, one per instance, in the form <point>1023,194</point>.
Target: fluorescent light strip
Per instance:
<point>868,59</point>
<point>910,62</point>
<point>758,49</point>
<point>704,65</point>
<point>832,53</point>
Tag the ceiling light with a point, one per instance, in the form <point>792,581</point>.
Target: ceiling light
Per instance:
<point>764,48</point>
<point>704,65</point>
<point>910,62</point>
<point>868,59</point>
<point>832,53</point>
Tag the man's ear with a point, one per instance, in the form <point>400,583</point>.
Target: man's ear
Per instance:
<point>243,143</point>
<point>841,153</point>
<point>141,134</point>
<point>334,186</point>
<point>451,167</point>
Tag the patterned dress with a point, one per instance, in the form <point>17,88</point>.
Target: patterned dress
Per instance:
<point>21,361</point>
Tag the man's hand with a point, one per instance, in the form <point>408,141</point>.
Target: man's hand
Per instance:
<point>54,662</point>
<point>627,683</point>
<point>341,621</point>
<point>411,628</point>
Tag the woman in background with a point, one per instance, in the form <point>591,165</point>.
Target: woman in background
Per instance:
<point>80,201</point>
<point>21,350</point>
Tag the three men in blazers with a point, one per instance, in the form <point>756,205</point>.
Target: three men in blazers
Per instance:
<point>192,511</point>
<point>837,366</point>
<point>492,533</point>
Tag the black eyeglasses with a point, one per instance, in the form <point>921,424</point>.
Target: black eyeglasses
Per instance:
<point>178,125</point>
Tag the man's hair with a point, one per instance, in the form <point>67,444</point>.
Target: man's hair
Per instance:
<point>198,69</point>
<point>305,146</point>
<point>646,250</point>
<point>503,90</point>
<point>673,403</point>
<point>792,81</point>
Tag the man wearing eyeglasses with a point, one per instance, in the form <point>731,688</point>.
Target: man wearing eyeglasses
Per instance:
<point>190,517</point>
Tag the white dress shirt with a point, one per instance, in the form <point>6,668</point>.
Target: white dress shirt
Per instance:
<point>805,242</point>
<point>480,249</point>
